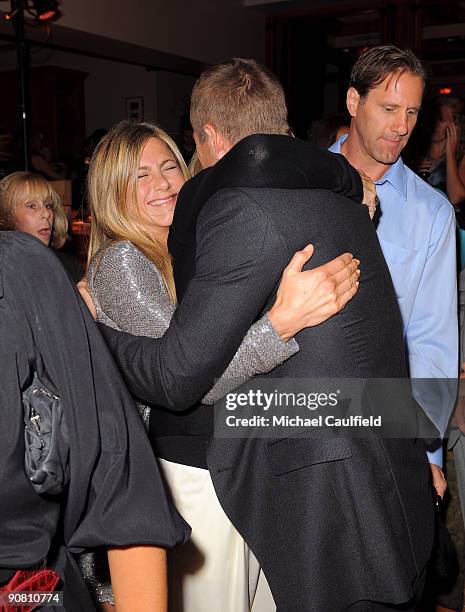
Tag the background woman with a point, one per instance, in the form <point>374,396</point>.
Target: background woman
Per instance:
<point>443,164</point>
<point>29,203</point>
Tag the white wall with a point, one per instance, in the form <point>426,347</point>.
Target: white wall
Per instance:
<point>107,86</point>
<point>205,30</point>
<point>165,94</point>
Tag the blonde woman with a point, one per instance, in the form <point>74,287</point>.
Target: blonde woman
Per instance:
<point>134,179</point>
<point>29,203</point>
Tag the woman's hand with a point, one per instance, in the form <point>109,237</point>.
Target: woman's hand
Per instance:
<point>84,291</point>
<point>452,139</point>
<point>455,182</point>
<point>308,298</point>
<point>370,198</point>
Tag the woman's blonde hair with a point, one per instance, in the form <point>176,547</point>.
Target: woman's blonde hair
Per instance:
<point>15,187</point>
<point>112,173</point>
<point>194,165</point>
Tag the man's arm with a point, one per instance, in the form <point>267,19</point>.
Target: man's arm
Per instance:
<point>238,266</point>
<point>304,299</point>
<point>432,331</point>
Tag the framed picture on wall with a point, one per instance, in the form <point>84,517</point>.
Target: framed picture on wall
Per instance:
<point>134,108</point>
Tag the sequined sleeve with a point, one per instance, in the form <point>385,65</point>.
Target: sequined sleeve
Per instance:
<point>130,295</point>
<point>261,351</point>
<point>129,292</point>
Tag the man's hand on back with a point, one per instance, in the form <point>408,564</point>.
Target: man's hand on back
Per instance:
<point>308,298</point>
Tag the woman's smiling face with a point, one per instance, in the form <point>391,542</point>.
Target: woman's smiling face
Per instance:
<point>159,180</point>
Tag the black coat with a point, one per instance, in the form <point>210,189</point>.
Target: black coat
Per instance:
<point>332,521</point>
<point>115,494</point>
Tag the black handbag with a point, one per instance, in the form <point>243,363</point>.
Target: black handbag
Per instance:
<point>46,439</point>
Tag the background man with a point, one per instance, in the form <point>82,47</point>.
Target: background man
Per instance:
<point>416,225</point>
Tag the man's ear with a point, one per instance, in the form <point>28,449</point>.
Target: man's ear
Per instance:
<point>352,101</point>
<point>220,145</point>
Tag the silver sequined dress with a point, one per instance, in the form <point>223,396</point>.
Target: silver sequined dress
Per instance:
<point>130,295</point>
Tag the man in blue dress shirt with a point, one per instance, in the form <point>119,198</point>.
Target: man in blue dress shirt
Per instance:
<point>416,225</point>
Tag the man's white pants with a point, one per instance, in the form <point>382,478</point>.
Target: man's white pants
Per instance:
<point>215,570</point>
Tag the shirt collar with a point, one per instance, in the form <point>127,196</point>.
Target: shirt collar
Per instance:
<point>396,175</point>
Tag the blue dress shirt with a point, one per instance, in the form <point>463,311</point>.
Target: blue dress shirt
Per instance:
<point>416,231</point>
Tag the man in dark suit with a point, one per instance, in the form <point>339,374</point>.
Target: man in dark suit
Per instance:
<point>337,523</point>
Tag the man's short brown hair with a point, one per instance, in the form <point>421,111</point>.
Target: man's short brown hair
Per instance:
<point>239,98</point>
<point>377,63</point>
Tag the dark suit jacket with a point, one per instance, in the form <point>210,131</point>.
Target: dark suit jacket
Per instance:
<point>331,521</point>
<point>257,161</point>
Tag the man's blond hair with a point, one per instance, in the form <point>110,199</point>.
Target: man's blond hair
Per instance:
<point>238,98</point>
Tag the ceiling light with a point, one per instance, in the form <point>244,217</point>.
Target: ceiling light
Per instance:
<point>45,10</point>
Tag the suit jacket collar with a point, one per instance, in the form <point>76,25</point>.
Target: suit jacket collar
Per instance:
<point>257,161</point>
<point>271,161</point>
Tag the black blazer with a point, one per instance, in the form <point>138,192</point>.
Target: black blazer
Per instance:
<point>331,521</point>
<point>257,161</point>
